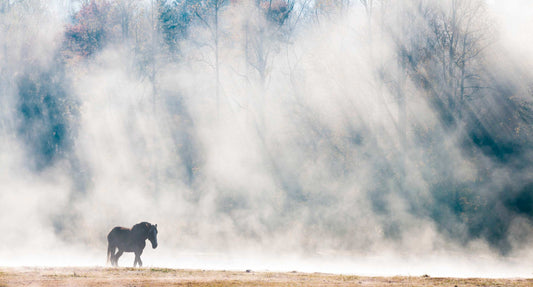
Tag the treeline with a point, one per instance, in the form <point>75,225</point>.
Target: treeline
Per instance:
<point>445,54</point>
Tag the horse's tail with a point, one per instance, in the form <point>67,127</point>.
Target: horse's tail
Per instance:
<point>110,249</point>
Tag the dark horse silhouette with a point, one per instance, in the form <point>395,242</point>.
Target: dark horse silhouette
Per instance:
<point>130,240</point>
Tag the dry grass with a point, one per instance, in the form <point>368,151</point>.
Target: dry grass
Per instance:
<point>101,276</point>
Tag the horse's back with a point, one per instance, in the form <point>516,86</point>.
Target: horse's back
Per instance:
<point>117,233</point>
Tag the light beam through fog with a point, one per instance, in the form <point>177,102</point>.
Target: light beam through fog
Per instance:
<point>363,137</point>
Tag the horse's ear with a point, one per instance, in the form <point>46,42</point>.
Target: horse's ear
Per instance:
<point>156,225</point>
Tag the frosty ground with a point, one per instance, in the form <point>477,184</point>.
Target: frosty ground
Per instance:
<point>102,276</point>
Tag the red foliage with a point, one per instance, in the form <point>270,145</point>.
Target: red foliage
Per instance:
<point>89,29</point>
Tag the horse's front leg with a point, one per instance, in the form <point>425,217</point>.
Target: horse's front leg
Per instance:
<point>138,259</point>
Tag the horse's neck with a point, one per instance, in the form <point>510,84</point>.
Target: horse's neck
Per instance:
<point>139,232</point>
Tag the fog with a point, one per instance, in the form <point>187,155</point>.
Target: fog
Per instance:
<point>355,137</point>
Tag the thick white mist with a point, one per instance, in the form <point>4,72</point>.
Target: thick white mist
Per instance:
<point>283,164</point>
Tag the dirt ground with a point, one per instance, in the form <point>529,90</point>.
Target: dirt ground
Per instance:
<point>102,276</point>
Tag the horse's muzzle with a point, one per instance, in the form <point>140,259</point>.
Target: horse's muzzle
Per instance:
<point>154,246</point>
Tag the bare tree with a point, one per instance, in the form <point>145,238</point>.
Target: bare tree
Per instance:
<point>208,13</point>
<point>263,32</point>
<point>124,10</point>
<point>330,8</point>
<point>460,33</point>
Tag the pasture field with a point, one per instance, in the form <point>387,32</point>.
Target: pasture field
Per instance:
<point>102,276</point>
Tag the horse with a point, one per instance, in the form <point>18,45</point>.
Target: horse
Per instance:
<point>130,240</point>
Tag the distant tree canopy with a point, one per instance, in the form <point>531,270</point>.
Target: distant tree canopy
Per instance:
<point>417,53</point>
<point>98,22</point>
<point>174,19</point>
<point>90,28</point>
<point>277,11</point>
<point>48,114</point>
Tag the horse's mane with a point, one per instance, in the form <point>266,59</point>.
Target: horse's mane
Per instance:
<point>145,226</point>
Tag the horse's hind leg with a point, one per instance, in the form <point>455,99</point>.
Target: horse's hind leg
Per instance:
<point>110,254</point>
<point>116,257</point>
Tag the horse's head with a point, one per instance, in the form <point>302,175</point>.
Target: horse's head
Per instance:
<point>152,235</point>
